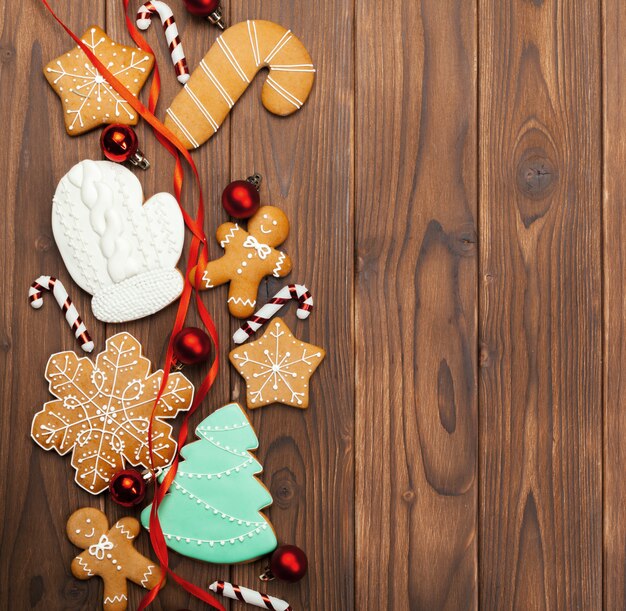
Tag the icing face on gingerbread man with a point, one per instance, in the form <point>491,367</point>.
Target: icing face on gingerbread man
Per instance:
<point>248,257</point>
<point>110,554</point>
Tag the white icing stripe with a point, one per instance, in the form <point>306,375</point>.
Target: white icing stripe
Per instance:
<point>147,574</point>
<point>212,508</point>
<point>279,265</point>
<point>229,236</point>
<point>279,45</point>
<point>292,99</point>
<point>182,128</point>
<point>293,67</point>
<point>254,42</point>
<point>212,542</point>
<point>217,84</point>
<point>201,107</point>
<point>232,59</point>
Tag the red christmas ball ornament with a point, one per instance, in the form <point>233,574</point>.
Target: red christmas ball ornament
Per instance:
<point>192,346</point>
<point>119,144</point>
<point>206,8</point>
<point>288,562</point>
<point>127,488</point>
<point>241,198</point>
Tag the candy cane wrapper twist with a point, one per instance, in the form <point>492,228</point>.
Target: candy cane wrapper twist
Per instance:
<point>166,15</point>
<point>48,283</point>
<point>252,597</point>
<point>291,291</point>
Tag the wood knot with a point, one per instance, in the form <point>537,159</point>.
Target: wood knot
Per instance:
<point>43,243</point>
<point>484,356</point>
<point>536,176</point>
<point>36,590</point>
<point>6,54</point>
<point>408,497</point>
<point>284,487</point>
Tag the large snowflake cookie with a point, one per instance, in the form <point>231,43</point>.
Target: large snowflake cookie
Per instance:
<point>212,509</point>
<point>277,367</point>
<point>119,250</point>
<point>102,411</point>
<point>87,98</point>
<point>110,554</point>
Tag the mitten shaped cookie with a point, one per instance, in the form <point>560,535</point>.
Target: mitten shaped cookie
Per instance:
<point>110,554</point>
<point>249,256</point>
<point>118,249</point>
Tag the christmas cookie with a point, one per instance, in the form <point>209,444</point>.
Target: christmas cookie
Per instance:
<point>87,98</point>
<point>102,411</point>
<point>110,554</point>
<point>277,367</point>
<point>212,509</point>
<point>228,68</point>
<point>118,249</point>
<point>249,256</point>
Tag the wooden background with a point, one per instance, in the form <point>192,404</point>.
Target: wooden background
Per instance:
<point>456,191</point>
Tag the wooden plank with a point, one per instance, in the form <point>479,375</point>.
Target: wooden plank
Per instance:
<point>540,306</point>
<point>416,395</point>
<point>37,494</point>
<point>614,252</point>
<point>213,162</point>
<point>306,161</point>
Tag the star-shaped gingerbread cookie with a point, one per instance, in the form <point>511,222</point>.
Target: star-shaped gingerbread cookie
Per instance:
<point>277,367</point>
<point>87,98</point>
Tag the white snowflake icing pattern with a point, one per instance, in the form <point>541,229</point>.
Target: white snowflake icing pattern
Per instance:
<point>91,86</point>
<point>108,419</point>
<point>276,368</point>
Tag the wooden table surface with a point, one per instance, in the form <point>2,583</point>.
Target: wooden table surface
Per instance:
<point>455,186</point>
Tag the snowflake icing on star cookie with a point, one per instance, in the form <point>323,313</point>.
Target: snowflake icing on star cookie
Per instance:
<point>277,367</point>
<point>103,411</point>
<point>87,98</point>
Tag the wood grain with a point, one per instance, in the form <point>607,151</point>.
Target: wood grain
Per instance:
<point>614,255</point>
<point>416,408</point>
<point>540,305</point>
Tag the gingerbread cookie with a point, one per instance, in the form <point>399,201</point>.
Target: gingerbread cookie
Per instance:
<point>103,411</point>
<point>249,256</point>
<point>277,367</point>
<point>118,249</point>
<point>212,509</point>
<point>228,68</point>
<point>110,554</point>
<point>87,98</point>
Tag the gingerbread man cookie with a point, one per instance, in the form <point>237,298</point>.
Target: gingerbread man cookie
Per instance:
<point>110,554</point>
<point>249,256</point>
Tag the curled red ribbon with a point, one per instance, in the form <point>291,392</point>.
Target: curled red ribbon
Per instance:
<point>197,254</point>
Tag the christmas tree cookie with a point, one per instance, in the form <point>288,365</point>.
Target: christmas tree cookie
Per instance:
<point>212,509</point>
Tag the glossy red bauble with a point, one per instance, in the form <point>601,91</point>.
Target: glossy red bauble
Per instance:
<point>127,488</point>
<point>192,346</point>
<point>119,142</point>
<point>202,8</point>
<point>289,563</point>
<point>241,199</point>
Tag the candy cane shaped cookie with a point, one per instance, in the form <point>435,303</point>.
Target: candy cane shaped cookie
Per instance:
<point>56,287</point>
<point>228,68</point>
<point>177,54</point>
<point>291,291</point>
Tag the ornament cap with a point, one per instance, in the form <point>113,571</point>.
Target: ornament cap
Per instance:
<point>215,18</point>
<point>255,180</point>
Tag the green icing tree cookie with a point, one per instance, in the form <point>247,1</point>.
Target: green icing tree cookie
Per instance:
<point>212,509</point>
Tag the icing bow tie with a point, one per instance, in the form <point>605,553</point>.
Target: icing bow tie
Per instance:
<point>98,549</point>
<point>263,250</point>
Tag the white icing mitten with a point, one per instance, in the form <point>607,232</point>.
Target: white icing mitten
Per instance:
<point>118,250</point>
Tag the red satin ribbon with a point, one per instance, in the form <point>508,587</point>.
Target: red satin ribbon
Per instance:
<point>197,255</point>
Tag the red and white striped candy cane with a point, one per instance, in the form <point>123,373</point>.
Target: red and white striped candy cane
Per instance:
<point>48,283</point>
<point>177,54</point>
<point>252,597</point>
<point>291,291</point>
